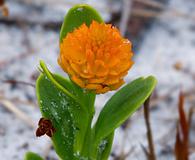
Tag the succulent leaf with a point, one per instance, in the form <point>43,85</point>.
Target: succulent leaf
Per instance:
<point>69,117</point>
<point>122,105</point>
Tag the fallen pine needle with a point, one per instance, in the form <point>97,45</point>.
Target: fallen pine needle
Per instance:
<point>21,115</point>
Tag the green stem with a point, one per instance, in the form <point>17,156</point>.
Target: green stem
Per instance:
<point>88,142</point>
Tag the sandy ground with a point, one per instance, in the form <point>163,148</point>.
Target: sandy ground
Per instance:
<point>170,40</point>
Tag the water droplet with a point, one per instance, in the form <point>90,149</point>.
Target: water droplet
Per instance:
<point>80,9</point>
<point>102,145</point>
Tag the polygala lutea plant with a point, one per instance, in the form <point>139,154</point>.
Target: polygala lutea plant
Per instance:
<point>96,58</point>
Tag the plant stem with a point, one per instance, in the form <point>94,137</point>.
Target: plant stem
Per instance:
<point>88,143</point>
<point>151,154</point>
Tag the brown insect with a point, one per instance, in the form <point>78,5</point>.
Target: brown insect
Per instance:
<point>45,127</point>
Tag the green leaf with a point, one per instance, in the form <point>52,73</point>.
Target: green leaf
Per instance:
<point>54,106</point>
<point>77,16</point>
<point>32,156</point>
<point>122,105</point>
<point>105,147</point>
<point>66,105</point>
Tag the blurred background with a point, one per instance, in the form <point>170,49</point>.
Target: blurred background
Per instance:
<point>163,37</point>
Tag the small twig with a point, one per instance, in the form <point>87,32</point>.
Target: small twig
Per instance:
<point>145,13</point>
<point>16,100</point>
<point>13,81</point>
<point>190,115</point>
<point>152,3</point>
<point>11,107</point>
<point>149,131</point>
<point>182,134</point>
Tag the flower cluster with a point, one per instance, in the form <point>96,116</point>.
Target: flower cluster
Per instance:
<point>96,57</point>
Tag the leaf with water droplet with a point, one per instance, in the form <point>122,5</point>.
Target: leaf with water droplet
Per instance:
<point>69,113</point>
<point>122,105</point>
<point>51,109</point>
<point>105,147</point>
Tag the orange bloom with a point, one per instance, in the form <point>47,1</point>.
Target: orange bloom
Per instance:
<point>96,57</point>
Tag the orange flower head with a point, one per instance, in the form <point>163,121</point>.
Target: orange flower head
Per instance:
<point>96,57</point>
